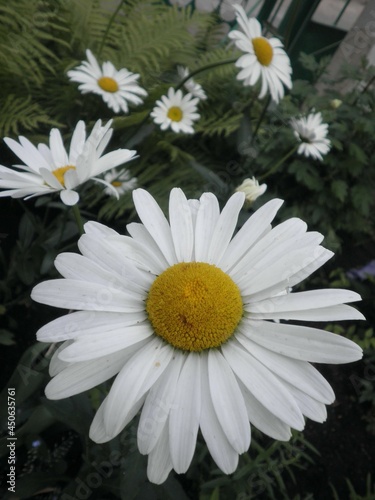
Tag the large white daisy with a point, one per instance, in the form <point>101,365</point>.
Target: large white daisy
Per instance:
<point>176,111</point>
<point>117,87</point>
<point>312,135</point>
<point>264,59</point>
<point>52,169</point>
<point>184,314</point>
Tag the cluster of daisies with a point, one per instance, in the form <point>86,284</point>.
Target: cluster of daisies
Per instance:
<point>52,169</point>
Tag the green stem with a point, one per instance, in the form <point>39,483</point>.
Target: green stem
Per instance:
<point>205,68</point>
<point>261,117</point>
<point>78,218</point>
<point>110,22</point>
<point>275,167</point>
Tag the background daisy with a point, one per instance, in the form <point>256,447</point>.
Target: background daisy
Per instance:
<point>117,88</point>
<point>176,111</point>
<point>121,182</point>
<point>52,169</point>
<point>312,134</point>
<point>184,314</point>
<point>252,189</point>
<point>194,88</point>
<point>264,59</point>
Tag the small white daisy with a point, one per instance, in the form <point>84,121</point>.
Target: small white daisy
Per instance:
<point>183,314</point>
<point>194,88</point>
<point>264,59</point>
<point>252,189</point>
<point>117,88</point>
<point>120,182</point>
<point>51,169</point>
<point>176,111</point>
<point>312,134</point>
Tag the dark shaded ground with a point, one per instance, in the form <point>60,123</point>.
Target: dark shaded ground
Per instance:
<point>345,442</point>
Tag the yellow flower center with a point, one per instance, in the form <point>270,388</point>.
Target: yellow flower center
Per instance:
<point>116,184</point>
<point>60,172</point>
<point>175,113</point>
<point>108,84</point>
<point>263,50</point>
<point>194,306</point>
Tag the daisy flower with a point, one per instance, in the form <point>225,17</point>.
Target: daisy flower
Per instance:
<point>176,111</point>
<point>312,134</point>
<point>120,182</point>
<point>264,59</point>
<point>184,314</point>
<point>117,88</point>
<point>190,85</point>
<point>52,169</point>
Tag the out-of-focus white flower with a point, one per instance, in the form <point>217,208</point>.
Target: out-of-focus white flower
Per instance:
<point>252,189</point>
<point>195,89</point>
<point>176,111</point>
<point>206,5</point>
<point>228,12</point>
<point>117,88</point>
<point>312,134</point>
<point>51,169</point>
<point>120,183</point>
<point>264,59</point>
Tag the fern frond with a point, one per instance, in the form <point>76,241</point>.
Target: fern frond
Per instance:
<point>18,113</point>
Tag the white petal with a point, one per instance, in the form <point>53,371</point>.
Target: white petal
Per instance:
<point>302,342</point>
<point>73,294</point>
<point>315,410</point>
<point>185,414</point>
<point>263,419</point>
<point>77,324</point>
<point>228,402</point>
<point>218,445</point>
<point>181,225</point>
<point>69,197</point>
<point>91,346</point>
<point>158,405</point>
<point>298,373</point>
<point>225,227</point>
<point>263,385</point>
<point>79,377</point>
<point>207,217</point>
<point>56,365</point>
<point>159,461</point>
<point>249,234</point>
<point>155,222</point>
<point>133,381</point>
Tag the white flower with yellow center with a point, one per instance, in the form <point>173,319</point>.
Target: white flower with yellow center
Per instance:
<point>312,135</point>
<point>190,85</point>
<point>176,111</point>
<point>117,88</point>
<point>121,183</point>
<point>183,314</point>
<point>264,59</point>
<point>252,189</point>
<point>51,169</point>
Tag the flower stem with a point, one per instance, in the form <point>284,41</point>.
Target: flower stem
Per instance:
<point>261,117</point>
<point>78,218</point>
<point>205,68</point>
<point>275,167</point>
<point>110,22</point>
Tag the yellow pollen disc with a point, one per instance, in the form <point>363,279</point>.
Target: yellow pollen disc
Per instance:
<point>194,306</point>
<point>116,184</point>
<point>263,50</point>
<point>108,84</point>
<point>60,172</point>
<point>175,113</point>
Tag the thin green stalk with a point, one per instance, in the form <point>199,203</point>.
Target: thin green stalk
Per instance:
<point>78,218</point>
<point>261,117</point>
<point>204,68</point>
<point>109,25</point>
<point>275,167</point>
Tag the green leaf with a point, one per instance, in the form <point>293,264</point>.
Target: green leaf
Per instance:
<point>6,337</point>
<point>339,189</point>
